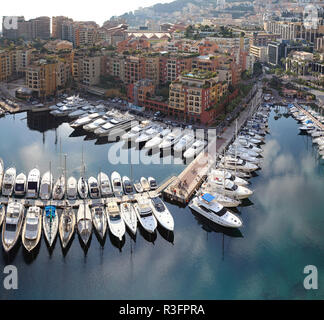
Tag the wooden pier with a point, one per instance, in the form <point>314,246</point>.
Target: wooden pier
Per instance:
<point>318,123</point>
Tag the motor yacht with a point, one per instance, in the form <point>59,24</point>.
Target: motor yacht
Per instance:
<point>72,188</point>
<point>105,185</point>
<point>145,215</point>
<point>138,186</point>
<point>8,182</point>
<point>221,173</point>
<point>162,214</point>
<point>152,183</point>
<point>184,143</point>
<point>195,149</point>
<point>115,222</point>
<point>116,182</point>
<point>128,214</point>
<point>46,186</point>
<point>33,184</point>
<point>20,185</point>
<point>127,185</point>
<point>94,189</point>
<point>145,184</point>
<point>32,228</point>
<point>157,140</point>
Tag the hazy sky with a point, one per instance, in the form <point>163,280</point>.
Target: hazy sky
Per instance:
<point>90,10</point>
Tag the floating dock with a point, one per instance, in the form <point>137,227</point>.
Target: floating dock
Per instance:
<point>318,123</point>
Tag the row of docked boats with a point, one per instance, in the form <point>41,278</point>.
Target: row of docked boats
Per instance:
<point>148,212</point>
<point>311,127</point>
<point>227,185</point>
<point>34,186</point>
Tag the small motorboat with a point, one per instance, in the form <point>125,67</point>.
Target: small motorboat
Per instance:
<point>94,189</point>
<point>20,185</point>
<point>128,214</point>
<point>145,184</point>
<point>128,186</point>
<point>82,188</point>
<point>162,214</point>
<point>32,228</point>
<point>72,188</point>
<point>99,220</point>
<point>152,183</point>
<point>138,186</point>
<point>45,191</point>
<point>115,222</point>
<point>50,224</point>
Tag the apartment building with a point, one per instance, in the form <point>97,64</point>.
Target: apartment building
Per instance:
<point>152,68</point>
<point>262,39</point>
<point>134,69</point>
<point>260,53</point>
<point>91,70</point>
<point>115,66</point>
<point>57,26</point>
<point>5,65</point>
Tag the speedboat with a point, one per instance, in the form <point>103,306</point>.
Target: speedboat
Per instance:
<point>20,185</point>
<point>184,143</point>
<point>8,182</point>
<point>1,173</point>
<point>195,149</point>
<point>94,190</point>
<point>229,162</point>
<point>215,212</point>
<point>45,191</point>
<point>105,185</point>
<point>171,139</point>
<point>72,188</point>
<point>128,186</point>
<point>145,184</point>
<point>66,226</point>
<point>162,214</point>
<point>84,222</point>
<point>32,228</point>
<point>2,213</point>
<point>221,173</point>
<point>152,183</point>
<point>128,214</point>
<point>117,184</point>
<point>82,188</point>
<point>33,184</point>
<point>99,220</point>
<point>115,222</point>
<point>59,188</point>
<point>145,215</point>
<point>12,225</point>
<point>156,141</point>
<point>50,224</point>
<point>138,186</point>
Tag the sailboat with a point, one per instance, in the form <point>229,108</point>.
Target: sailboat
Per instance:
<point>84,222</point>
<point>99,220</point>
<point>128,214</point>
<point>50,224</point>
<point>82,183</point>
<point>45,191</point>
<point>66,226</point>
<point>59,188</point>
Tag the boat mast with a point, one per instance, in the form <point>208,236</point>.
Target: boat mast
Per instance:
<point>235,144</point>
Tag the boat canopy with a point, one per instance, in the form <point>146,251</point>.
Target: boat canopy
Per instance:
<point>50,210</point>
<point>208,197</point>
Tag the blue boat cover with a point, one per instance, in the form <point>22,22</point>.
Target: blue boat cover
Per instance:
<point>208,197</point>
<point>50,210</point>
<point>309,121</point>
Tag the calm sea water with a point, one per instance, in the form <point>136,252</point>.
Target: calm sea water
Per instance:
<point>265,259</point>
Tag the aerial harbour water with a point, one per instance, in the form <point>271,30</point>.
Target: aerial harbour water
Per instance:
<point>264,259</point>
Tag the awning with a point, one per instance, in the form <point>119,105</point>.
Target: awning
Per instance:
<point>208,197</point>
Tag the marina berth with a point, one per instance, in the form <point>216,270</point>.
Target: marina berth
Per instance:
<point>45,191</point>
<point>32,228</point>
<point>12,225</point>
<point>128,214</point>
<point>72,188</point>
<point>145,215</point>
<point>50,224</point>
<point>105,185</point>
<point>156,141</point>
<point>206,206</point>
<point>162,214</point>
<point>67,226</point>
<point>99,220</point>
<point>20,185</point>
<point>116,182</point>
<point>94,189</point>
<point>84,222</point>
<point>59,188</point>
<point>115,222</point>
<point>33,184</point>
<point>8,182</point>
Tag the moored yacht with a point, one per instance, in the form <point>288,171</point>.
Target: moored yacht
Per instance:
<point>8,182</point>
<point>50,224</point>
<point>115,222</point>
<point>99,220</point>
<point>72,188</point>
<point>82,188</point>
<point>145,215</point>
<point>156,141</point>
<point>32,228</point>
<point>195,149</point>
<point>84,222</point>
<point>162,214</point>
<point>45,191</point>
<point>59,188</point>
<point>128,186</point>
<point>12,225</point>
<point>20,185</point>
<point>116,182</point>
<point>94,190</point>
<point>105,185</point>
<point>138,186</point>
<point>213,211</point>
<point>128,214</point>
<point>145,184</point>
<point>33,184</point>
<point>237,164</point>
<point>184,143</point>
<point>67,226</point>
<point>148,135</point>
<point>152,183</point>
<point>171,139</point>
<point>221,173</point>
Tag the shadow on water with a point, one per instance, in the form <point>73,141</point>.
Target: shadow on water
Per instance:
<point>51,249</point>
<point>90,136</point>
<point>85,247</point>
<point>67,248</point>
<point>131,235</point>
<point>10,256</point>
<point>29,257</point>
<point>166,234</point>
<point>213,227</point>
<point>150,237</point>
<point>43,121</point>
<point>246,203</point>
<point>78,132</point>
<point>101,241</point>
<point>116,242</point>
<point>101,141</point>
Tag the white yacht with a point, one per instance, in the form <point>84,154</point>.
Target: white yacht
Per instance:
<point>238,148</point>
<point>225,201</point>
<point>184,143</point>
<point>33,184</point>
<point>2,213</point>
<point>1,173</point>
<point>45,191</point>
<point>195,149</point>
<point>8,182</point>
<point>12,225</point>
<point>213,211</point>
<point>92,126</point>
<point>145,215</point>
<point>94,189</point>
<point>115,222</point>
<point>232,163</point>
<point>84,222</point>
<point>128,214</point>
<point>72,188</point>
<point>99,220</point>
<point>77,113</point>
<point>135,131</point>
<point>244,156</point>
<point>82,188</point>
<point>152,183</point>
<point>221,173</point>
<point>32,228</point>
<point>162,214</point>
<point>20,185</point>
<point>247,145</point>
<point>171,139</point>
<point>156,141</point>
<point>85,120</point>
<point>50,224</point>
<point>59,188</point>
<point>138,186</point>
<point>105,185</point>
<point>116,182</point>
<point>248,138</point>
<point>127,185</point>
<point>145,184</point>
<point>148,135</point>
<point>67,226</point>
